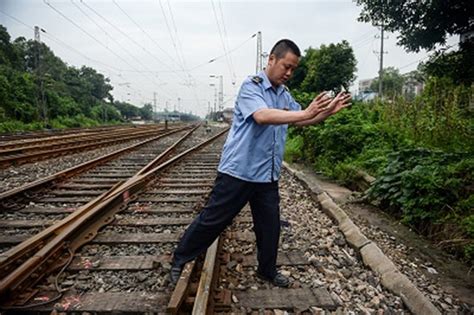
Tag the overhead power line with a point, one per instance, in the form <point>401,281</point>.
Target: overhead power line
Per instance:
<point>108,35</point>
<point>64,44</point>
<point>221,36</point>
<point>225,54</point>
<point>176,42</point>
<point>127,36</point>
<point>87,33</point>
<point>226,41</point>
<point>144,32</point>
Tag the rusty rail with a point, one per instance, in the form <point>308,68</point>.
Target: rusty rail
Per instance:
<point>34,153</point>
<point>72,171</point>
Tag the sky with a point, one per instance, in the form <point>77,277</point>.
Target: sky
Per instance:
<point>161,49</point>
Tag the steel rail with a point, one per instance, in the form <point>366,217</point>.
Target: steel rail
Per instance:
<point>26,136</point>
<point>202,300</point>
<point>77,232</point>
<point>74,139</point>
<point>28,157</point>
<point>62,175</point>
<point>19,252</point>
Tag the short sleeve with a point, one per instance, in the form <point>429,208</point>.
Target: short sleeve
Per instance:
<point>293,105</point>
<point>250,99</point>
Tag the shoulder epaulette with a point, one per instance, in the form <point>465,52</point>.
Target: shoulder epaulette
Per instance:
<point>256,79</point>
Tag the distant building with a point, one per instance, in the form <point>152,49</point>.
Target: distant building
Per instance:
<point>413,85</point>
<point>227,114</point>
<point>364,85</point>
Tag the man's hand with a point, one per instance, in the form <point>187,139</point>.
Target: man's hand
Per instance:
<point>319,104</point>
<point>342,100</point>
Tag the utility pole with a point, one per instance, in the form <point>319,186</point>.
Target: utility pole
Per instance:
<point>259,53</point>
<point>380,56</point>
<point>221,93</point>
<point>179,108</point>
<point>381,61</point>
<point>39,73</point>
<point>154,107</point>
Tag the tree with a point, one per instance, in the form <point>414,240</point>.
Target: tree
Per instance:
<point>8,53</point>
<point>426,24</point>
<point>146,112</point>
<point>422,24</point>
<point>392,82</point>
<point>127,110</point>
<point>456,65</point>
<point>326,68</point>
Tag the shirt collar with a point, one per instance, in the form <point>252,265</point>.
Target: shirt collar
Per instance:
<point>267,84</point>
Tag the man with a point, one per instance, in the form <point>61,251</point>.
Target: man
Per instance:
<point>251,160</point>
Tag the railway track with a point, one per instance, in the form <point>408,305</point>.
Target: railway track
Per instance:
<point>31,150</point>
<point>111,251</point>
<point>28,271</point>
<point>54,132</point>
<point>123,264</point>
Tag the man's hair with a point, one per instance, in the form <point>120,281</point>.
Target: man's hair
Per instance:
<point>283,46</point>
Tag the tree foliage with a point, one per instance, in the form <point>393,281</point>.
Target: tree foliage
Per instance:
<point>36,85</point>
<point>326,68</point>
<point>422,24</point>
<point>426,25</point>
<point>392,82</point>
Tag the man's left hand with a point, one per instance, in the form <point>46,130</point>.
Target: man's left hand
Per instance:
<point>342,100</point>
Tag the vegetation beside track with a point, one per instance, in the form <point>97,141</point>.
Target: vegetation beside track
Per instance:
<point>420,149</point>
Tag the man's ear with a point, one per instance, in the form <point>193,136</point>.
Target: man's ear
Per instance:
<point>271,59</point>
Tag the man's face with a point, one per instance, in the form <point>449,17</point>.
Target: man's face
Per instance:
<point>280,70</point>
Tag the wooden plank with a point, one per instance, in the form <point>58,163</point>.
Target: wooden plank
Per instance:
<point>118,262</point>
<point>159,210</point>
<point>67,192</point>
<point>186,186</point>
<point>131,238</point>
<point>177,192</point>
<point>186,181</point>
<point>13,239</point>
<point>152,222</point>
<point>108,302</point>
<point>84,186</point>
<point>114,176</point>
<point>181,289</point>
<point>64,200</point>
<point>83,180</point>
<point>25,223</point>
<point>301,298</point>
<point>144,198</point>
<point>49,210</point>
<point>205,282</point>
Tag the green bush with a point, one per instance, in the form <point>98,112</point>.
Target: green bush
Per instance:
<point>293,149</point>
<point>420,151</point>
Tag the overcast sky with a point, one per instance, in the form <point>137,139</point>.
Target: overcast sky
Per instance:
<point>165,46</point>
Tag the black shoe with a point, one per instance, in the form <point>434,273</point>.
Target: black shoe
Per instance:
<point>175,273</point>
<point>279,280</point>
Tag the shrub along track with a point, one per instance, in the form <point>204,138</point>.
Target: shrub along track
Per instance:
<point>30,150</point>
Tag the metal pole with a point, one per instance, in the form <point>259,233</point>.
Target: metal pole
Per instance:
<point>153,117</point>
<point>259,52</point>
<point>221,93</point>
<point>381,62</point>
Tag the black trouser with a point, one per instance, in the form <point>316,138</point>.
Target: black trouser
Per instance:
<point>229,195</point>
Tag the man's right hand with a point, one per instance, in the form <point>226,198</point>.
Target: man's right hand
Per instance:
<point>318,105</point>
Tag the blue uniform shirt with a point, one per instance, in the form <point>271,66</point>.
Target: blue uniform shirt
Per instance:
<point>254,152</point>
